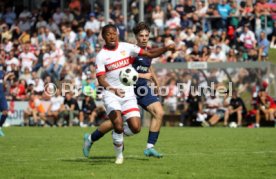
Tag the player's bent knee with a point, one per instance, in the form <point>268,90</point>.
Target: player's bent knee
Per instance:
<point>118,125</point>
<point>118,128</point>
<point>160,114</point>
<point>134,124</point>
<point>156,110</point>
<point>116,121</point>
<point>136,129</point>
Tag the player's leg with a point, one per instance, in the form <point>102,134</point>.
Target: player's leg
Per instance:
<point>89,139</point>
<point>151,103</point>
<point>4,109</point>
<point>157,113</point>
<point>2,121</point>
<point>131,116</point>
<point>104,128</point>
<point>117,135</point>
<point>133,126</point>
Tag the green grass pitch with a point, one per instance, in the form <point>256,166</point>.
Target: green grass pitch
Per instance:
<point>188,153</point>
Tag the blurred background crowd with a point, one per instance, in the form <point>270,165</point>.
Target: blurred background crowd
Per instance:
<point>49,44</point>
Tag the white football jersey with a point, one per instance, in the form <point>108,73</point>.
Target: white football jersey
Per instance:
<point>111,62</point>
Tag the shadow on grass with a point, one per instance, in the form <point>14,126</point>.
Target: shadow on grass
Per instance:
<point>102,160</point>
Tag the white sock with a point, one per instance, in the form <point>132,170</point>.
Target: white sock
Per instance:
<point>118,140</point>
<point>81,123</point>
<point>149,145</point>
<point>118,151</point>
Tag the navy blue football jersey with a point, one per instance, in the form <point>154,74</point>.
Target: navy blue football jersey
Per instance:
<point>141,65</point>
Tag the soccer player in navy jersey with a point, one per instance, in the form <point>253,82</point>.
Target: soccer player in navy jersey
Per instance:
<point>146,97</point>
<point>3,101</point>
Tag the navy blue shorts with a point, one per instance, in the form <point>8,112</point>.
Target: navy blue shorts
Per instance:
<point>3,103</point>
<point>145,96</point>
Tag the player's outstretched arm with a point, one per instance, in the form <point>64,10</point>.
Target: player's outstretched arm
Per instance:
<point>107,86</point>
<point>158,51</point>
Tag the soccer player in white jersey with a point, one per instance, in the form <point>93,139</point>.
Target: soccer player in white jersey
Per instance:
<point>120,102</point>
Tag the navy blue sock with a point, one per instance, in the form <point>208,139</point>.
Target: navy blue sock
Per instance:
<point>3,119</point>
<point>96,135</point>
<point>153,136</point>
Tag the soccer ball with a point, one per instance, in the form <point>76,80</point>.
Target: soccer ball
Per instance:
<point>128,76</point>
<point>233,125</point>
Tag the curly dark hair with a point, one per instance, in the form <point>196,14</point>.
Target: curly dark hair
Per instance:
<point>139,27</point>
<point>107,27</point>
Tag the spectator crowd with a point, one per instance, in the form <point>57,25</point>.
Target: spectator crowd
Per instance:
<point>49,44</point>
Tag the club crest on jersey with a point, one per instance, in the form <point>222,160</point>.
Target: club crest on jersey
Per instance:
<point>118,64</point>
<point>123,53</point>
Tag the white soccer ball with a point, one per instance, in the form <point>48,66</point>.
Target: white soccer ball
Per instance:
<point>233,125</point>
<point>128,76</point>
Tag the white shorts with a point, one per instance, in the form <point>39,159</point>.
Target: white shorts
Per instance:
<point>127,105</point>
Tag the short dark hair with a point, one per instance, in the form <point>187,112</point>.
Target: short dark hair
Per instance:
<point>139,27</point>
<point>107,27</point>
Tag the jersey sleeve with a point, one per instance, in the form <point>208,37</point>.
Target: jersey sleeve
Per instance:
<point>100,67</point>
<point>134,50</point>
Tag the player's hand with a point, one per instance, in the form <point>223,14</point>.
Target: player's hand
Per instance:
<point>119,92</point>
<point>170,45</point>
